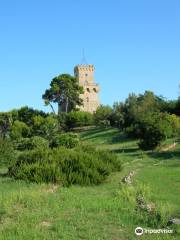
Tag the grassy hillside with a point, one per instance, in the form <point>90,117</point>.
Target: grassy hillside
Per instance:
<point>41,211</point>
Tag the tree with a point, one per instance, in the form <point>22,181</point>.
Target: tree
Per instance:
<point>130,110</point>
<point>102,115</point>
<point>65,91</point>
<point>154,128</point>
<point>26,115</point>
<point>117,115</point>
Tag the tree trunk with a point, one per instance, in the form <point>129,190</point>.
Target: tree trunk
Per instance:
<point>67,103</point>
<point>59,108</point>
<point>52,108</point>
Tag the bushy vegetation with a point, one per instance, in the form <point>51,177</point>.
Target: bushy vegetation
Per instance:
<point>156,127</point>
<point>102,115</point>
<point>5,123</point>
<point>7,153</point>
<point>34,142</point>
<point>147,117</point>
<point>19,129</point>
<point>68,140</point>
<point>75,119</point>
<point>40,138</point>
<point>46,127</point>
<point>44,153</point>
<point>61,165</point>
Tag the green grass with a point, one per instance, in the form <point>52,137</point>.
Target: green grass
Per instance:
<point>43,211</point>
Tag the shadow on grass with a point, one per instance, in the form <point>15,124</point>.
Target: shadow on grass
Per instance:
<point>108,135</point>
<point>125,150</point>
<point>166,155</point>
<point>131,152</point>
<point>120,138</point>
<point>90,133</point>
<point>3,171</point>
<point>4,175</point>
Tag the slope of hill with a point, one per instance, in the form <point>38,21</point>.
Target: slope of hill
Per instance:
<point>111,210</point>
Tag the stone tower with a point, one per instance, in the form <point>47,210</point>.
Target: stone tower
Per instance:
<point>85,76</point>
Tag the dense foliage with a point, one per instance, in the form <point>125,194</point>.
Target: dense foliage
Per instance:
<point>68,140</point>
<point>146,116</point>
<point>34,142</point>
<point>19,129</point>
<point>47,151</point>
<point>7,153</point>
<point>61,165</point>
<point>79,119</point>
<point>64,90</point>
<point>102,115</point>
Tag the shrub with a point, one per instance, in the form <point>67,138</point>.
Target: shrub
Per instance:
<point>174,122</point>
<point>133,131</point>
<point>62,120</point>
<point>153,129</point>
<point>102,116</point>
<point>68,140</point>
<point>19,129</point>
<point>31,143</point>
<point>46,127</point>
<point>103,155</point>
<point>7,153</point>
<point>68,166</point>
<point>5,123</point>
<point>26,115</point>
<point>22,144</point>
<point>39,142</point>
<point>78,119</point>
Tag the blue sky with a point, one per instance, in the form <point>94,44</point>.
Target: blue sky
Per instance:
<point>134,45</point>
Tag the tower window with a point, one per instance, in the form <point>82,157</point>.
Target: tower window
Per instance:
<point>86,74</point>
<point>88,89</point>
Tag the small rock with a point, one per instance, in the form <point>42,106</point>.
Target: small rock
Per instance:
<point>45,224</point>
<point>128,179</point>
<point>175,221</point>
<point>150,207</point>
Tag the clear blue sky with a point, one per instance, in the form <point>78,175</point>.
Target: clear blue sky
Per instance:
<point>134,45</point>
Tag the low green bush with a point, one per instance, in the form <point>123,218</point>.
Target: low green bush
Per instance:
<point>46,127</point>
<point>103,155</point>
<point>7,153</point>
<point>19,130</point>
<point>68,140</point>
<point>30,143</point>
<point>79,119</point>
<point>62,165</point>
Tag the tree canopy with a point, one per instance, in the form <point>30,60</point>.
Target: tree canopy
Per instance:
<point>65,91</point>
